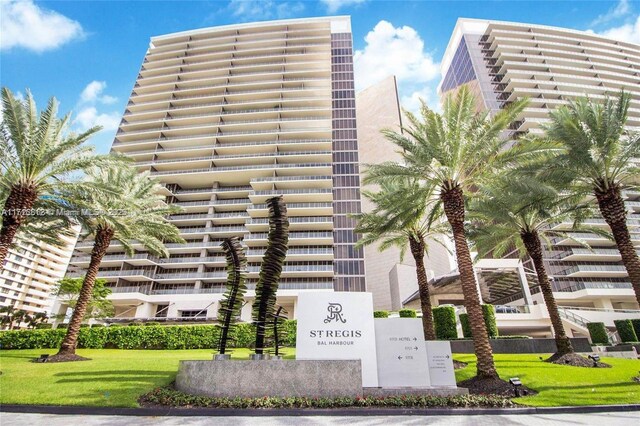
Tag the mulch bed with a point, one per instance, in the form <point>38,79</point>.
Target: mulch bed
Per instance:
<point>65,358</point>
<point>457,365</point>
<point>478,386</point>
<point>575,360</point>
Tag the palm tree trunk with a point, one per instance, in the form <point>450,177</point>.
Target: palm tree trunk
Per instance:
<point>20,200</point>
<point>100,246</point>
<point>615,214</point>
<point>453,202</point>
<point>417,250</point>
<point>532,243</point>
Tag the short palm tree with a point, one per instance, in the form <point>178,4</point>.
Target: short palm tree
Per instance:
<point>399,219</point>
<point>518,215</point>
<point>39,159</point>
<point>454,151</point>
<point>132,213</point>
<point>599,156</point>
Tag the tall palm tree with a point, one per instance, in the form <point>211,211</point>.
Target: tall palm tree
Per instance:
<point>132,213</point>
<point>454,151</point>
<point>399,219</point>
<point>514,215</point>
<point>39,159</point>
<point>599,156</point>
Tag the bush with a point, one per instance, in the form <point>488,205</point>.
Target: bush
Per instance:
<point>466,327</point>
<point>44,326</point>
<point>444,322</point>
<point>625,330</point>
<point>84,325</point>
<point>407,313</point>
<point>636,326</point>
<point>381,314</point>
<point>598,333</point>
<point>489,315</point>
<point>150,337</point>
<point>151,323</point>
<point>97,325</point>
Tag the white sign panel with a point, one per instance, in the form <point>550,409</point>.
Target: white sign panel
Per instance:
<point>338,325</point>
<point>440,363</point>
<point>402,355</point>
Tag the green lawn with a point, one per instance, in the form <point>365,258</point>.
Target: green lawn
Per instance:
<point>113,377</point>
<point>118,377</point>
<point>562,385</point>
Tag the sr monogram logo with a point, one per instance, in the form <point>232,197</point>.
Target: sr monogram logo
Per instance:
<point>335,313</point>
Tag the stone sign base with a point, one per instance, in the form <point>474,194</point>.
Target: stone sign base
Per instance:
<point>437,391</point>
<point>277,378</point>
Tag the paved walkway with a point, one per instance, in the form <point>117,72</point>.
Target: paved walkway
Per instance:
<point>608,419</point>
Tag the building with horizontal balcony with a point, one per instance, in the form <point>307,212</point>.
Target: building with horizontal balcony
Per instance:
<point>225,118</point>
<point>502,62</point>
<point>29,273</point>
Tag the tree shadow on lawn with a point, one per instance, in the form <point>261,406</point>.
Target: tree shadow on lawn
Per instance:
<point>569,386</point>
<point>115,376</point>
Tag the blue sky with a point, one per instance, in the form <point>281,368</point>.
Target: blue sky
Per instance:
<point>88,53</point>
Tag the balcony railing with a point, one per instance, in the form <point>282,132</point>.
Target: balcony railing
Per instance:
<point>247,167</point>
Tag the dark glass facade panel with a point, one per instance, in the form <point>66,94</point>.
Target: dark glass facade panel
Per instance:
<point>461,69</point>
<point>348,262</point>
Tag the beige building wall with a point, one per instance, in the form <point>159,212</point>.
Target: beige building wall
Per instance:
<point>377,108</point>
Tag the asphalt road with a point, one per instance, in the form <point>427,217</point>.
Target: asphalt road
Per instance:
<point>608,419</point>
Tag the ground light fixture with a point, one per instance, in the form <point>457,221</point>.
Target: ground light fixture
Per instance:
<point>516,383</point>
<point>595,358</point>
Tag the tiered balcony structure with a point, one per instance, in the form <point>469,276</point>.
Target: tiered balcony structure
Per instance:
<point>226,118</point>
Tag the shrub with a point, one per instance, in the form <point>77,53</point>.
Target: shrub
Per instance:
<point>44,326</point>
<point>444,321</point>
<point>150,337</point>
<point>598,333</point>
<point>489,315</point>
<point>151,323</point>
<point>97,325</point>
<point>84,325</point>
<point>625,330</point>
<point>466,327</point>
<point>381,314</point>
<point>407,313</point>
<point>636,326</point>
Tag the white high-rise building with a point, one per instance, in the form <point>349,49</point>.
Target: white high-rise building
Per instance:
<point>506,61</point>
<point>227,117</point>
<point>29,273</point>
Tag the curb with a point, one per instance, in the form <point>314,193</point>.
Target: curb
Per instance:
<point>368,411</point>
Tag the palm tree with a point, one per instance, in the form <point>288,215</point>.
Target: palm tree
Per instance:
<point>518,215</point>
<point>599,156</point>
<point>39,159</point>
<point>454,151</point>
<point>399,219</point>
<point>132,213</point>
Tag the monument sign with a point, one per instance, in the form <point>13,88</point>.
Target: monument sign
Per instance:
<point>338,326</point>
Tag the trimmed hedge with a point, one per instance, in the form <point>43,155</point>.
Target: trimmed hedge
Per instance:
<point>636,326</point>
<point>150,337</point>
<point>489,315</point>
<point>466,326</point>
<point>598,333</point>
<point>381,314</point>
<point>625,330</point>
<point>407,313</point>
<point>444,322</point>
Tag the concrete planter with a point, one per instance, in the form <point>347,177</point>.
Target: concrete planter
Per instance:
<point>278,378</point>
<point>221,357</point>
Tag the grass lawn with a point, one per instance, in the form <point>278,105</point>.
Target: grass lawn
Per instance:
<point>563,385</point>
<point>117,378</point>
<point>113,377</point>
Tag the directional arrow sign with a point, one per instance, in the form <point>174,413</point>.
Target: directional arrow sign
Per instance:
<point>399,357</point>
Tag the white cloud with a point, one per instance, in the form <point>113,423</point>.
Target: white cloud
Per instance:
<point>335,5</point>
<point>400,52</point>
<point>620,10</point>
<point>89,117</point>
<point>264,9</point>
<point>627,32</point>
<point>26,25</point>
<point>93,93</point>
